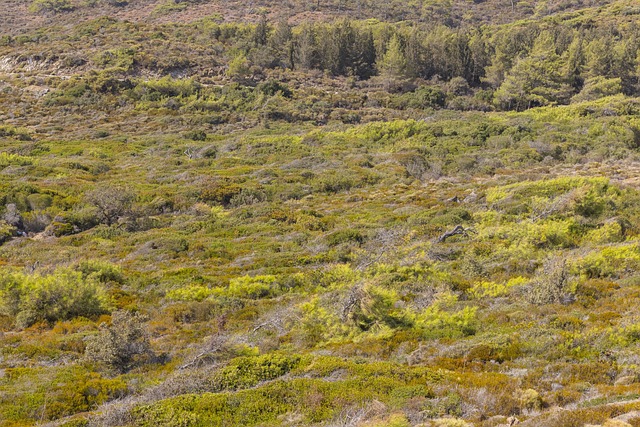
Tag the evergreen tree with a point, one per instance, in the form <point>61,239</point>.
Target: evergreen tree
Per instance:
<point>600,57</point>
<point>281,44</point>
<point>574,62</point>
<point>507,47</point>
<point>394,64</point>
<point>365,50</point>
<point>345,40</point>
<point>536,79</point>
<point>458,56</point>
<point>306,49</point>
<point>338,48</point>
<point>261,32</point>
<point>414,55</point>
<point>624,66</point>
<point>479,57</point>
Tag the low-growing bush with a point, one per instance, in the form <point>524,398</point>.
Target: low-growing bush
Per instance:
<point>77,390</point>
<point>253,287</point>
<point>6,231</point>
<point>59,296</point>
<point>102,271</point>
<point>613,261</point>
<point>51,6</point>
<point>345,236</point>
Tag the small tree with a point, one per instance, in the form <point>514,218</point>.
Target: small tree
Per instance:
<point>122,345</point>
<point>239,68</point>
<point>111,203</point>
<point>394,64</point>
<point>536,79</point>
<point>261,32</point>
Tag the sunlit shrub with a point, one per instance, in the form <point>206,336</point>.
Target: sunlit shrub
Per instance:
<point>253,287</point>
<point>492,289</point>
<point>438,322</point>
<point>613,261</point>
<point>102,271</point>
<point>78,391</point>
<point>59,296</point>
<point>6,231</point>
<point>51,6</point>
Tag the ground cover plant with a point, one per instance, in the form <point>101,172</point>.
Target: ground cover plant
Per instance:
<point>320,222</point>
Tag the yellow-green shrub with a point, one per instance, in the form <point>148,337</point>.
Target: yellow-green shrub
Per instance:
<point>59,296</point>
<point>613,261</point>
<point>253,287</point>
<point>493,289</point>
<point>437,322</point>
<point>192,293</point>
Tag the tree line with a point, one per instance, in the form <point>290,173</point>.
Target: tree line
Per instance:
<point>523,65</point>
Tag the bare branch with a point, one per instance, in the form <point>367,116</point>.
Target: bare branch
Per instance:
<point>457,231</point>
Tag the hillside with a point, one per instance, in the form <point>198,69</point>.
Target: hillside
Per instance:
<point>366,214</point>
<point>24,15</point>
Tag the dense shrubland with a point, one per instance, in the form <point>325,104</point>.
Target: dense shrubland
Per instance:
<point>194,233</point>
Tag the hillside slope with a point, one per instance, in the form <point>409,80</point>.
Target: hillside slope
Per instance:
<point>24,15</point>
<point>210,217</point>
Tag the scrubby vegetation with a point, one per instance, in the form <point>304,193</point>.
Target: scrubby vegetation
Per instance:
<point>400,221</point>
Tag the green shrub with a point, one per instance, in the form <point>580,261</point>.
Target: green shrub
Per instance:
<point>598,87</point>
<point>7,231</point>
<point>122,58</point>
<point>77,390</point>
<point>245,372</point>
<point>51,6</point>
<point>122,345</point>
<point>102,271</point>
<point>253,287</point>
<point>425,97</point>
<point>59,296</point>
<point>492,289</point>
<point>196,135</point>
<point>220,191</point>
<point>335,183</point>
<point>192,293</point>
<point>7,159</point>
<point>613,261</point>
<point>272,87</point>
<point>438,321</point>
<point>345,236</point>
<point>166,87</point>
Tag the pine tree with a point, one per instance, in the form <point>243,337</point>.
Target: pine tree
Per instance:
<point>600,57</point>
<point>394,64</point>
<point>306,49</point>
<point>536,79</point>
<point>574,59</point>
<point>365,52</point>
<point>281,43</point>
<point>261,32</point>
<point>479,57</point>
<point>345,40</point>
<point>414,55</point>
